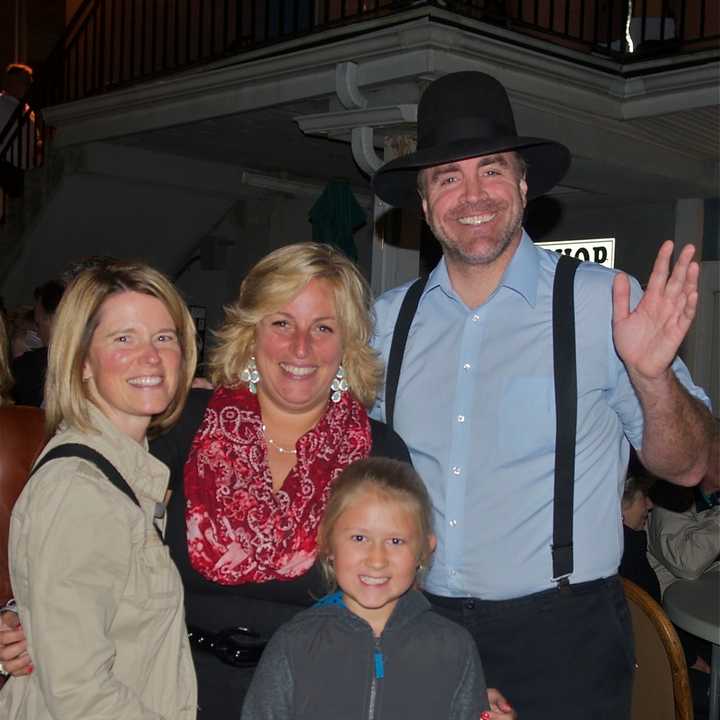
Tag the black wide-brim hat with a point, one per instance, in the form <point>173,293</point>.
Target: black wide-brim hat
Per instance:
<point>464,115</point>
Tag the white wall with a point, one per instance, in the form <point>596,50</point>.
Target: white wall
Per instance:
<point>254,227</point>
<point>639,229</point>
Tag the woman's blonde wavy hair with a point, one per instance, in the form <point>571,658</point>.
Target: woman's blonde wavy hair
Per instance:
<point>275,281</point>
<point>78,315</point>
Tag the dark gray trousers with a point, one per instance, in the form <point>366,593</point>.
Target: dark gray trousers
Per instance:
<point>561,654</point>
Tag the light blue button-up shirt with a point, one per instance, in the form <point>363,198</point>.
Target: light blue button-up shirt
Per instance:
<point>476,407</point>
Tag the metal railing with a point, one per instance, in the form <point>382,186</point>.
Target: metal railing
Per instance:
<point>111,43</point>
<point>630,29</point>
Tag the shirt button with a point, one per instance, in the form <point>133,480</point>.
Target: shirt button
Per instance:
<point>467,366</point>
<point>452,523</point>
<point>461,418</point>
<point>475,318</point>
<point>455,470</point>
<point>453,572</point>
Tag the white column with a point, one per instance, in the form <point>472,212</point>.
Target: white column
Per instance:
<point>700,350</point>
<point>392,265</point>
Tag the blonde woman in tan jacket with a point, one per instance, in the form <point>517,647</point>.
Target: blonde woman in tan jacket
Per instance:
<point>99,598</point>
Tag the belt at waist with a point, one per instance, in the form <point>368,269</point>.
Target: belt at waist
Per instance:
<point>470,603</point>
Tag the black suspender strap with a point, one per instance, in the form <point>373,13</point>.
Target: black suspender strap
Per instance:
<point>97,459</point>
<point>566,416</point>
<point>397,348</point>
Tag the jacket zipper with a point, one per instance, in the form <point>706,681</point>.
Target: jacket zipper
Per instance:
<point>378,674</point>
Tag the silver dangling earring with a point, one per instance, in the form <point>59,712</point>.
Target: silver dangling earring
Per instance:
<point>251,375</point>
<point>339,385</point>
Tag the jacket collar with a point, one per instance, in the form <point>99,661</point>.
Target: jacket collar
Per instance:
<point>146,475</point>
<point>412,604</point>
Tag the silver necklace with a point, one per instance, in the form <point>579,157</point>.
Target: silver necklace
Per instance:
<point>279,448</point>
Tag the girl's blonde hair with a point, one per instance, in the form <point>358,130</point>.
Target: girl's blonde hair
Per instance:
<point>397,481</point>
<point>6,379</point>
<point>77,317</point>
<point>275,281</point>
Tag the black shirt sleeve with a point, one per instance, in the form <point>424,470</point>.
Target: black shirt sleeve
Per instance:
<point>173,446</point>
<point>387,443</point>
<point>28,371</point>
<point>634,564</point>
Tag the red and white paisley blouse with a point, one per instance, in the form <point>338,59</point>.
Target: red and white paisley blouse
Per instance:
<point>238,529</point>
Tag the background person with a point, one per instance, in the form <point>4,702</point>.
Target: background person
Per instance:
<point>22,330</point>
<point>18,152</point>
<point>6,379</point>
<point>636,506</point>
<point>30,367</point>
<point>17,82</point>
<point>374,537</point>
<point>98,595</point>
<point>683,543</point>
<point>484,439</point>
<point>684,539</point>
<point>637,565</point>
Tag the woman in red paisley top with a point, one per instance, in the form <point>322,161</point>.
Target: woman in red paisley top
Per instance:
<point>253,461</point>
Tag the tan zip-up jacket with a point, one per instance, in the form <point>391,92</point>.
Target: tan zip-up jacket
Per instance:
<point>683,546</point>
<point>99,598</point>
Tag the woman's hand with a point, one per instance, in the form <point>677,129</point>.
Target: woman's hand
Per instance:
<point>13,646</point>
<point>500,708</point>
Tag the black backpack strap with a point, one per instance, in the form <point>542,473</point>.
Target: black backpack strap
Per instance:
<point>397,348</point>
<point>566,416</point>
<point>97,459</point>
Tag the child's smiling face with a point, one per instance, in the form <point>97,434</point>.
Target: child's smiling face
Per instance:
<point>376,546</point>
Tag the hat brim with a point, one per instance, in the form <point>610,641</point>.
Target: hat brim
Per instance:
<point>547,161</point>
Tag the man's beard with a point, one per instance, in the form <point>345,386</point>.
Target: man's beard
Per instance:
<point>455,251</point>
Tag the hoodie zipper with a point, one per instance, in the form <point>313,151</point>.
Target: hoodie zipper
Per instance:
<point>378,674</point>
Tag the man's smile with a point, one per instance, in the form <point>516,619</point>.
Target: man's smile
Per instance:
<point>476,219</point>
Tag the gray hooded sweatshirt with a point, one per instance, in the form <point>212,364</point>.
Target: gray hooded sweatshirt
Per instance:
<point>325,664</point>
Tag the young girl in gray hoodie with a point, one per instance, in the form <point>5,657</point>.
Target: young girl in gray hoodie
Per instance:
<point>372,650</point>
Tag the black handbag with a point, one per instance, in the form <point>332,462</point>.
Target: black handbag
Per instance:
<point>236,646</point>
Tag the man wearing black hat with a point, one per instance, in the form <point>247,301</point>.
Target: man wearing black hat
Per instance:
<point>521,385</point>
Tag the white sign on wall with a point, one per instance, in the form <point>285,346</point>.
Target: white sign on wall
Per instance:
<point>599,250</point>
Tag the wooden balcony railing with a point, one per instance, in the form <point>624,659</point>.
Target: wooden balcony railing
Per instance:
<point>111,43</point>
<point>114,43</point>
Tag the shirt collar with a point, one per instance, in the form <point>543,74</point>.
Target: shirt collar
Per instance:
<point>523,272</point>
<point>439,278</point>
<point>521,275</point>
